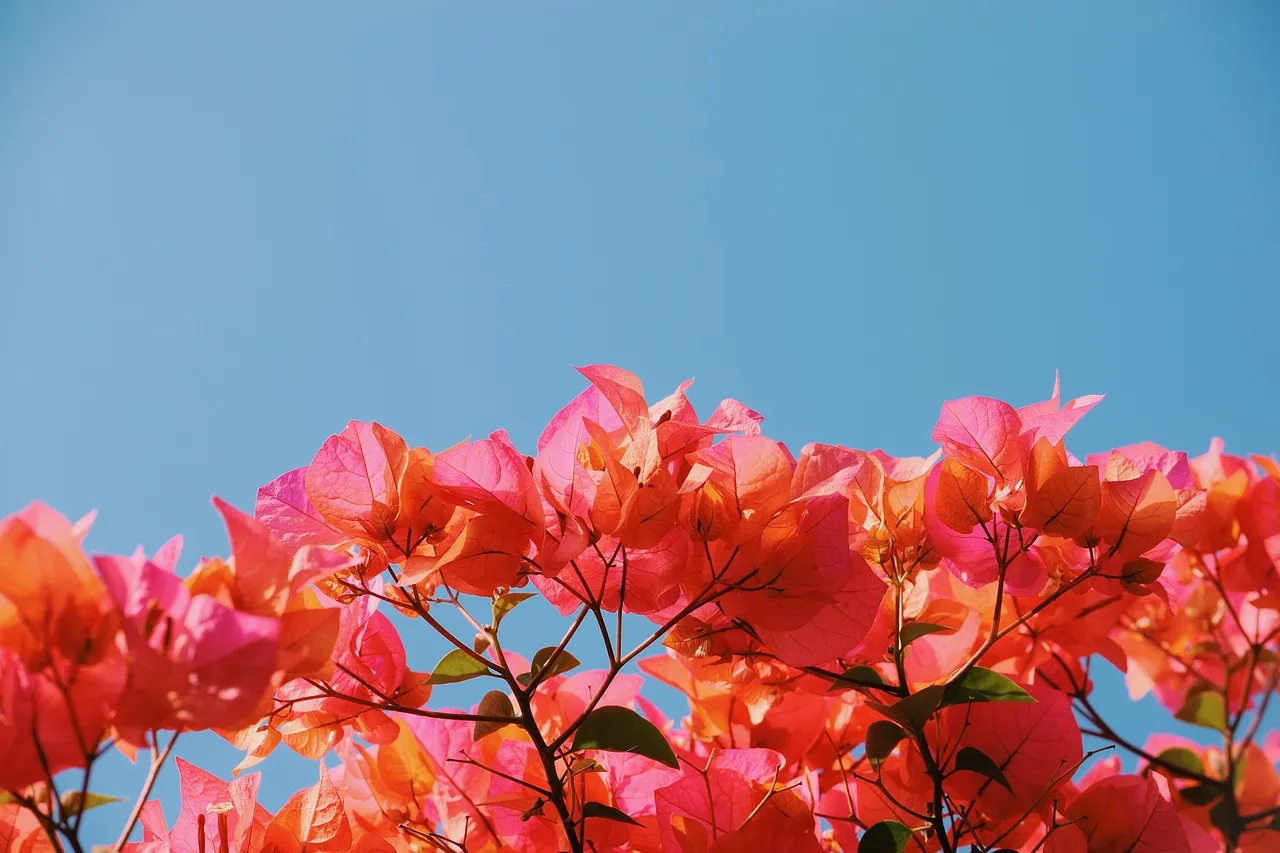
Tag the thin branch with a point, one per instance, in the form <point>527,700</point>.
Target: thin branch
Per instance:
<point>157,761</point>
<point>537,789</point>
<point>329,692</point>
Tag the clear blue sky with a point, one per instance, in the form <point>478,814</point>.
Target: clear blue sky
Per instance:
<point>226,230</point>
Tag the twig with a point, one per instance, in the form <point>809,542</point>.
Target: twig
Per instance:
<point>157,761</point>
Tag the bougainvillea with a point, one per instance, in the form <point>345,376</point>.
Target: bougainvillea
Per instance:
<point>879,654</point>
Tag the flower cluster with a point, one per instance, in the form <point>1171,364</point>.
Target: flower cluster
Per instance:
<point>879,653</point>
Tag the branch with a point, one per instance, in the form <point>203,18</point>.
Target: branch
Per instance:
<point>538,678</point>
<point>706,596</point>
<point>532,787</point>
<point>391,706</point>
<point>157,761</point>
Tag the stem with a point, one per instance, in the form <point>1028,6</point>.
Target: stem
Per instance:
<point>1272,683</point>
<point>422,611</point>
<point>899,656</point>
<point>593,604</point>
<point>326,691</point>
<point>995,634</point>
<point>616,667</point>
<point>559,649</point>
<point>157,761</point>
<point>935,819</point>
<point>547,754</point>
<point>1271,812</point>
<point>1105,732</point>
<point>518,781</point>
<point>622,595</point>
<point>853,682</point>
<point>46,822</point>
<point>74,823</point>
<point>1214,578</point>
<point>61,824</point>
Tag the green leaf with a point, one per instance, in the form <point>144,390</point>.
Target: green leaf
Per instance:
<point>856,678</point>
<point>913,631</point>
<point>457,666</point>
<point>1183,759</point>
<point>617,729</point>
<point>984,685</point>
<point>538,669</point>
<point>608,813</point>
<point>505,603</point>
<point>977,761</point>
<point>882,737</point>
<point>887,836</point>
<point>586,765</point>
<point>535,809</point>
<point>72,804</point>
<point>1204,708</point>
<point>1200,795</point>
<point>913,711</point>
<point>1224,817</point>
<point>495,703</point>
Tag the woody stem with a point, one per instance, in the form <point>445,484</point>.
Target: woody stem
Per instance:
<point>931,766</point>
<point>157,761</point>
<point>939,796</point>
<point>554,786</point>
<point>546,753</point>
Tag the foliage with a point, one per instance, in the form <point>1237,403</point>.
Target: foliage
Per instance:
<point>879,653</point>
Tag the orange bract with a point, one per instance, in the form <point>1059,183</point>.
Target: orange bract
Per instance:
<point>1067,503</point>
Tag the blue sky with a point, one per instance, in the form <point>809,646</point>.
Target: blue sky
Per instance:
<point>226,230</point>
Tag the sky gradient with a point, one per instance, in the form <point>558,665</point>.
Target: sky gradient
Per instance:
<point>226,230</point>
